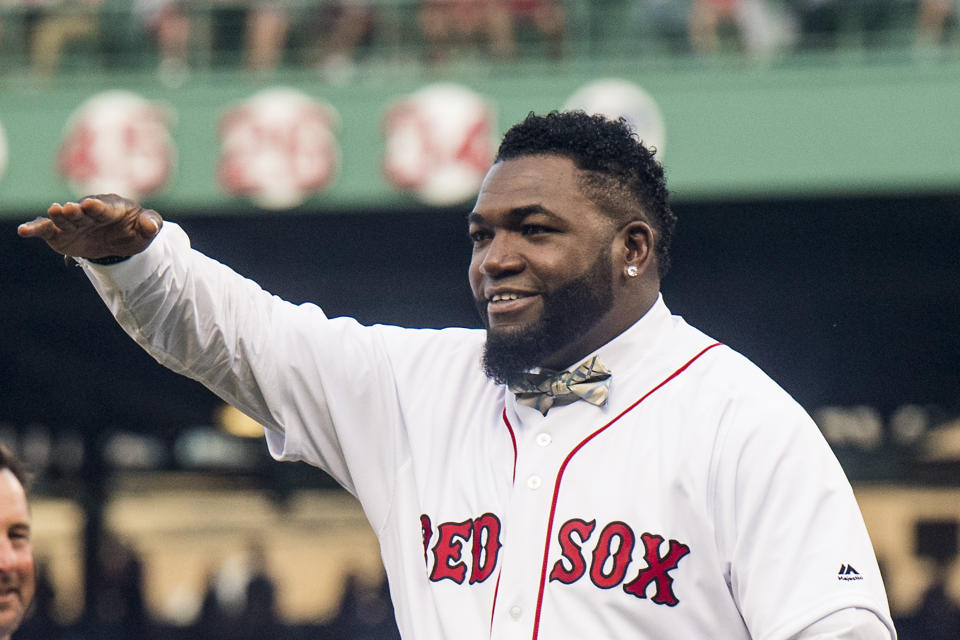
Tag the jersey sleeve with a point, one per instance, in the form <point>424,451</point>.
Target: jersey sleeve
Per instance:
<point>846,624</point>
<point>322,387</point>
<point>788,524</point>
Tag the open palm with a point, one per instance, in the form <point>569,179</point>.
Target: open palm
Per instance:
<point>96,227</point>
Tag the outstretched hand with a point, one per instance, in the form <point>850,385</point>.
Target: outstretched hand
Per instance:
<point>96,227</point>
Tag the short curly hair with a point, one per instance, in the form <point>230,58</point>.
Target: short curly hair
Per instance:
<point>620,174</point>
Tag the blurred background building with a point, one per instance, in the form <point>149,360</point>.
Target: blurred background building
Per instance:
<point>330,151</point>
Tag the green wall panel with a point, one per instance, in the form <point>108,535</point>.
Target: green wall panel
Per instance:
<point>731,130</point>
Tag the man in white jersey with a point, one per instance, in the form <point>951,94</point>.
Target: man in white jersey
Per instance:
<point>663,487</point>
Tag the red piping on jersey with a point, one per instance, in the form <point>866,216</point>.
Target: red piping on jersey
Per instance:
<point>493,609</point>
<point>513,439</point>
<point>556,487</point>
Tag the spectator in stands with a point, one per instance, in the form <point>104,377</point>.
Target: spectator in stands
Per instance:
<point>253,34</point>
<point>488,25</point>
<point>120,609</point>
<point>708,19</point>
<point>449,23</point>
<point>259,618</point>
<point>58,26</point>
<point>268,24</point>
<point>465,25</point>
<point>240,601</point>
<point>938,617</point>
<point>342,26</point>
<point>933,19</point>
<point>168,23</point>
<point>260,31</point>
<point>753,27</point>
<point>17,572</point>
<point>508,17</point>
<point>365,612</point>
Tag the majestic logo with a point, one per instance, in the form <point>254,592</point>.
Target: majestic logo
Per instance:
<point>439,143</point>
<point>278,148</point>
<point>117,142</point>
<point>471,548</point>
<point>847,572</point>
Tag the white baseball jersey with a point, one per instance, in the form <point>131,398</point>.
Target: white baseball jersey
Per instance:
<point>699,502</point>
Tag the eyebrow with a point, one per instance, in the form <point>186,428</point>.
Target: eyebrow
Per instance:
<point>516,215</point>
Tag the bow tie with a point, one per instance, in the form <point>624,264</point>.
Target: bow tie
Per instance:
<point>589,381</point>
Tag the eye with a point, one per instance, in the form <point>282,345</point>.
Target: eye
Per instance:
<point>19,535</point>
<point>479,235</point>
<point>535,229</point>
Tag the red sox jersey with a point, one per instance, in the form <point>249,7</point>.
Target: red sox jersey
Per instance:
<point>699,502</point>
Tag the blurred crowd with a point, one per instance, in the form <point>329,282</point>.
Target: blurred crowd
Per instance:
<point>263,35</point>
<point>240,603</point>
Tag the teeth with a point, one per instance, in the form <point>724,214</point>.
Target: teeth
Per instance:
<point>500,297</point>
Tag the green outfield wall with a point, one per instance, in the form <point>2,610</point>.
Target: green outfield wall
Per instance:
<point>729,130</point>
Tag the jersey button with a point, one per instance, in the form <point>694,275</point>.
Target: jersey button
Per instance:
<point>544,439</point>
<point>515,612</point>
<point>533,482</point>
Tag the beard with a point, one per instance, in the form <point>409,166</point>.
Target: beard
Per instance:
<point>568,313</point>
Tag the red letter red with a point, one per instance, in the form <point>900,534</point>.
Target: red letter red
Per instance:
<point>448,551</point>
<point>426,531</point>
<point>486,547</point>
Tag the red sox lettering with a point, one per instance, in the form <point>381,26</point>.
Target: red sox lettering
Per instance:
<point>572,566</point>
<point>609,559</point>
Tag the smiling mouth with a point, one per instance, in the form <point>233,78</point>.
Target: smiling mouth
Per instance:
<point>506,304</point>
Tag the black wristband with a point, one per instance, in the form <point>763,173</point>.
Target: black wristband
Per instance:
<point>108,259</point>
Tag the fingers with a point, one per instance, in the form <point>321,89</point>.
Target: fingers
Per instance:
<point>106,208</point>
<point>68,217</point>
<point>149,223</point>
<point>62,217</point>
<point>39,227</point>
<point>96,225</point>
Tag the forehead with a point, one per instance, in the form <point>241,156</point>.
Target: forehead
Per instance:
<point>13,500</point>
<point>549,181</point>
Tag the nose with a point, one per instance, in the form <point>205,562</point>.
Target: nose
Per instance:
<point>501,257</point>
<point>8,555</point>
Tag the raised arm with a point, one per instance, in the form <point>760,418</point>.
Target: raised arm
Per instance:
<point>287,366</point>
<point>101,226</point>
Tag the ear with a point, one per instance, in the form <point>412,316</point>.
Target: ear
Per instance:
<point>638,242</point>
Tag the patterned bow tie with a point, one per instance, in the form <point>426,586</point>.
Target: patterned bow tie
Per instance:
<point>590,381</point>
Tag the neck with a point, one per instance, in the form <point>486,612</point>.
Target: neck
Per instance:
<point>611,325</point>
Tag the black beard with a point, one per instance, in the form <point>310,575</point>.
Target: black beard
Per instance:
<point>568,313</point>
